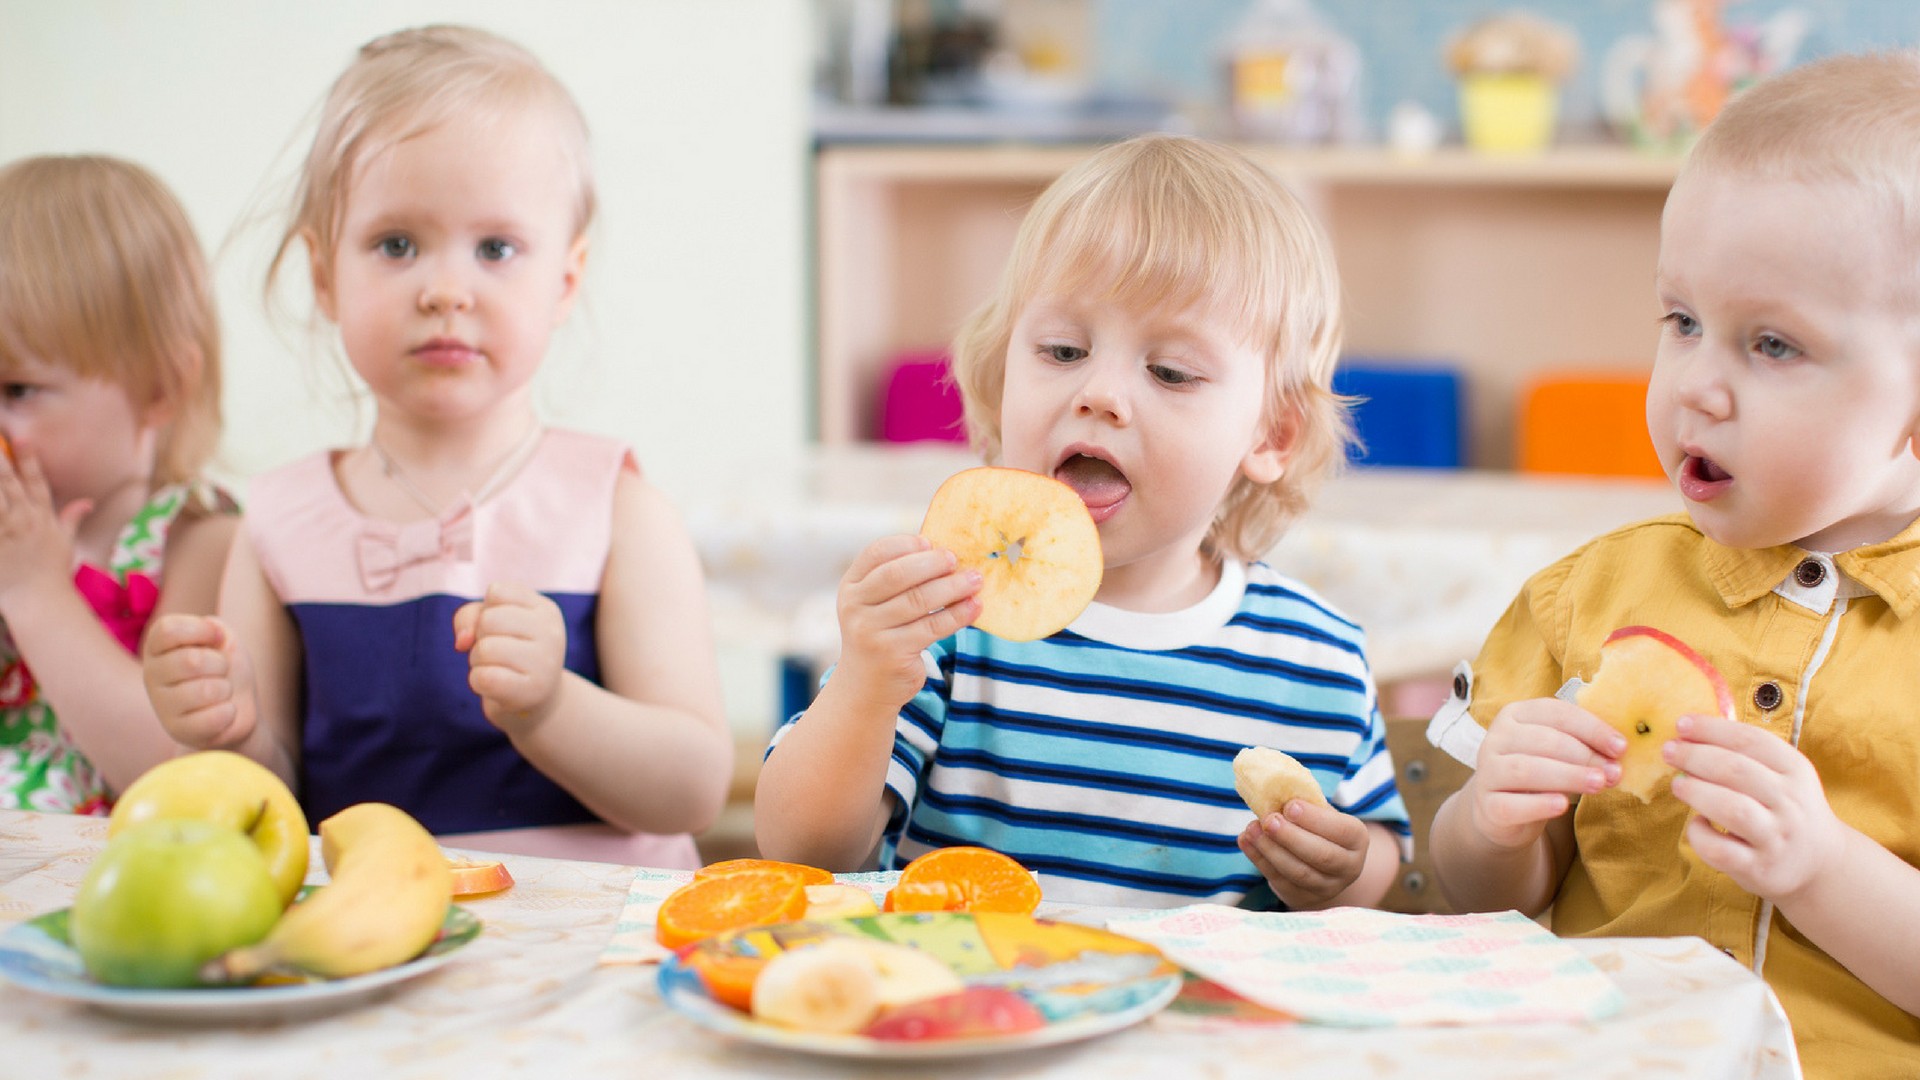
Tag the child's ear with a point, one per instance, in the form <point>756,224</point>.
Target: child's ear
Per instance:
<point>1267,461</point>
<point>571,274</point>
<point>321,274</point>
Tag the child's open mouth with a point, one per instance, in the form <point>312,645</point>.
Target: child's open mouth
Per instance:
<point>1701,478</point>
<point>1100,485</point>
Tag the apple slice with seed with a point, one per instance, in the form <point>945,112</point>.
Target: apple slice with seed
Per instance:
<point>1648,680</point>
<point>1032,540</point>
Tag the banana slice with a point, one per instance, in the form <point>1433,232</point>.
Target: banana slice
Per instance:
<point>832,988</point>
<point>906,974</point>
<point>839,901</point>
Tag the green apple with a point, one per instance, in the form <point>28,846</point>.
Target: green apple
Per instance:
<point>167,896</point>
<point>227,789</point>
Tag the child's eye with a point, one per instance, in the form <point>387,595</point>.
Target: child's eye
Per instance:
<point>395,247</point>
<point>1169,376</point>
<point>1682,323</point>
<point>1063,354</point>
<point>1774,348</point>
<point>16,391</point>
<point>495,249</point>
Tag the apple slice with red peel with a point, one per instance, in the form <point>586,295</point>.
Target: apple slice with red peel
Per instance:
<point>1648,680</point>
<point>974,1012</point>
<point>472,877</point>
<point>1032,540</point>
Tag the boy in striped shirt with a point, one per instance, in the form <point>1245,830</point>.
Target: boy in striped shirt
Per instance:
<point>1163,341</point>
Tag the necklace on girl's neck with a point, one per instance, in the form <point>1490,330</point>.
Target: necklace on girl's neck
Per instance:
<point>494,481</point>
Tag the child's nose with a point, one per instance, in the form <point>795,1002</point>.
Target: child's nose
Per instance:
<point>445,293</point>
<point>1702,387</point>
<point>1102,393</point>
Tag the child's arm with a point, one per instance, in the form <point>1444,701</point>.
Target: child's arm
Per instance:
<point>231,682</point>
<point>1316,857</point>
<point>648,751</point>
<point>821,797</point>
<point>1784,843</point>
<point>92,683</point>
<point>1505,839</point>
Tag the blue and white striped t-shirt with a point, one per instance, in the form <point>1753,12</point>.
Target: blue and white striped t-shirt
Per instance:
<point>1102,757</point>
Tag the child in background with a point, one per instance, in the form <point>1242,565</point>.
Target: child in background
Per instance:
<point>1785,405</point>
<point>497,626</point>
<point>1163,341</point>
<point>110,403</point>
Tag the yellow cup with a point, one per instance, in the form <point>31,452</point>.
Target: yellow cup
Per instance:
<point>1508,113</point>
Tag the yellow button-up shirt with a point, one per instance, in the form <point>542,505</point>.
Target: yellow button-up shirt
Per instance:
<point>1828,660</point>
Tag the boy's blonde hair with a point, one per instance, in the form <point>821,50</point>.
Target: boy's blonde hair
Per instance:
<point>1163,221</point>
<point>101,273</point>
<point>405,84</point>
<point>1851,119</point>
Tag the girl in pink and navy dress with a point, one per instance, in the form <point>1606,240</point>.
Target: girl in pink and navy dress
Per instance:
<point>110,401</point>
<point>499,627</point>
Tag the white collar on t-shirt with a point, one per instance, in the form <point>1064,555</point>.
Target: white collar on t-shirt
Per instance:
<point>1160,630</point>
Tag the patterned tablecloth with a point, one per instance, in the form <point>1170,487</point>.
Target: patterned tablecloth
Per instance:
<point>530,997</point>
<point>1424,559</point>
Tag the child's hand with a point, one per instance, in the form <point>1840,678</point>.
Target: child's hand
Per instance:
<point>1781,833</point>
<point>36,542</point>
<point>901,595</point>
<point>516,646</point>
<point>199,680</point>
<point>1537,755</point>
<point>1308,853</point>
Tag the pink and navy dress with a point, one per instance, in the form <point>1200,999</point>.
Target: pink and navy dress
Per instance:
<point>387,713</point>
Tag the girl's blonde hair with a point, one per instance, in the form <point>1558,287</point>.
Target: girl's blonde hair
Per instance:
<point>1163,221</point>
<point>1851,119</point>
<point>101,273</point>
<point>405,84</point>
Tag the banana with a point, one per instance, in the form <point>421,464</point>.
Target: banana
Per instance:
<point>832,988</point>
<point>839,902</point>
<point>906,974</point>
<point>387,899</point>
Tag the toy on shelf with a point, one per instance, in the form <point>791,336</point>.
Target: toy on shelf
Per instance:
<point>1661,90</point>
<point>1510,68</point>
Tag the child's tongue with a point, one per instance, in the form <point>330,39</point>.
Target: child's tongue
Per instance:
<point>1098,482</point>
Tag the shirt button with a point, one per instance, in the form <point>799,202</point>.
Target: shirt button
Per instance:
<point>1766,696</point>
<point>1810,573</point>
<point>1459,686</point>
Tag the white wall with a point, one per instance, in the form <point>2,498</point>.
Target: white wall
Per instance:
<point>692,340</point>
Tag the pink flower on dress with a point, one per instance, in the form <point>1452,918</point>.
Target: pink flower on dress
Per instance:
<point>123,609</point>
<point>16,685</point>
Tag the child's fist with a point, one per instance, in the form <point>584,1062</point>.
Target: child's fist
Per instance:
<point>199,680</point>
<point>901,595</point>
<point>1308,852</point>
<point>516,646</point>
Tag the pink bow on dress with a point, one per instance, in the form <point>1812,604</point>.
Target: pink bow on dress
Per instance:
<point>385,549</point>
<point>123,609</point>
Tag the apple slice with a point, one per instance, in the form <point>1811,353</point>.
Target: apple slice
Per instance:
<point>1648,680</point>
<point>1032,540</point>
<point>837,901</point>
<point>1268,779</point>
<point>471,877</point>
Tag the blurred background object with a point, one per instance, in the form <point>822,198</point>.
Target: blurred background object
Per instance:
<point>1510,68</point>
<point>1660,89</point>
<point>1290,77</point>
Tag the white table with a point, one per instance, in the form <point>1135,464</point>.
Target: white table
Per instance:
<point>529,998</point>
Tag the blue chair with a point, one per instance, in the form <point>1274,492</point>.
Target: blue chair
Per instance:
<point>1410,415</point>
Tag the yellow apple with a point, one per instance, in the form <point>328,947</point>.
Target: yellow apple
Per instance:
<point>1032,540</point>
<point>227,789</point>
<point>1648,680</point>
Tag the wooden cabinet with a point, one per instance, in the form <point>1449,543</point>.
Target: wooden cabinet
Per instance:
<point>1499,266</point>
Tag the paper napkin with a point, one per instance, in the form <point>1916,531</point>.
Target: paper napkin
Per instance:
<point>632,941</point>
<point>1364,968</point>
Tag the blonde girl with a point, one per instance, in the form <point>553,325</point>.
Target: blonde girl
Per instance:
<point>497,625</point>
<point>110,404</point>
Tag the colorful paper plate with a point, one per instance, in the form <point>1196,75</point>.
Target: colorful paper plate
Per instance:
<point>1084,981</point>
<point>38,955</point>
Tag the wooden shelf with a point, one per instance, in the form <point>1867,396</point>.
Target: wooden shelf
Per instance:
<point>1502,266</point>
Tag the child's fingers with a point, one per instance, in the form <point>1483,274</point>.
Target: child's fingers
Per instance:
<point>899,575</point>
<point>465,618</point>
<point>1517,809</point>
<point>179,631</point>
<point>883,551</point>
<point>928,597</point>
<point>1520,773</point>
<point>1744,740</point>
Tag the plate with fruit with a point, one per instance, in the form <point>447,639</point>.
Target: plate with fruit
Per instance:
<point>925,984</point>
<point>39,955</point>
<point>195,908</point>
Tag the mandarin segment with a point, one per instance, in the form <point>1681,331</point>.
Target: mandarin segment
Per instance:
<point>713,905</point>
<point>965,879</point>
<point>1031,539</point>
<point>1647,681</point>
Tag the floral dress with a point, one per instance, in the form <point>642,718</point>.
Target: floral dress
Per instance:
<point>40,767</point>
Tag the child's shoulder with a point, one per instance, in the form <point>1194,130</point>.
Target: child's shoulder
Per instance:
<point>1272,594</point>
<point>1670,535</point>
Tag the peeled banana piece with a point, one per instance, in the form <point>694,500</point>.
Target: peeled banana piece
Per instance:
<point>387,900</point>
<point>840,985</point>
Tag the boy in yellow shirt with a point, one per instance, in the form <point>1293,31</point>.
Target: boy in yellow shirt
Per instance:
<point>1785,407</point>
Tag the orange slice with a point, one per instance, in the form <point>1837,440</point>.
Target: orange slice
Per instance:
<point>728,977</point>
<point>811,875</point>
<point>474,877</point>
<point>965,879</point>
<point>707,906</point>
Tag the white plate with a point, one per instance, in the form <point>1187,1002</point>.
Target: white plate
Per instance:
<point>35,955</point>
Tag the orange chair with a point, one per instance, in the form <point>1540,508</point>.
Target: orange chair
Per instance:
<point>1586,422</point>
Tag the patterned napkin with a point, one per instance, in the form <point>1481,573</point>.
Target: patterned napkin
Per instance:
<point>1363,968</point>
<point>632,941</point>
